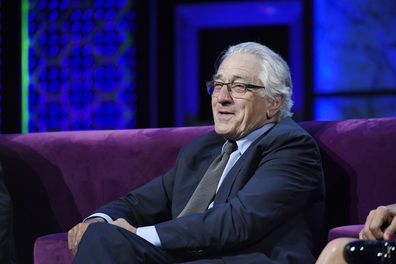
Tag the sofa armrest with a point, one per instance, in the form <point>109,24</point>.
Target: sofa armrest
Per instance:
<point>345,231</point>
<point>52,249</point>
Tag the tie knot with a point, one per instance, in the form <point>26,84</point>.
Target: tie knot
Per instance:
<point>229,147</point>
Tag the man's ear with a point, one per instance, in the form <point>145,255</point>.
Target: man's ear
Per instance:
<point>274,106</point>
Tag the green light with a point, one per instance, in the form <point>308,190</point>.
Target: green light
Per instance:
<point>25,65</point>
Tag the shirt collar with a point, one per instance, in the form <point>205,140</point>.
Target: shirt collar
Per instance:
<point>245,142</point>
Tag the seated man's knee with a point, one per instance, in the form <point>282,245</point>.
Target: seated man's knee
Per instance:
<point>107,243</point>
<point>107,235</point>
<point>98,231</point>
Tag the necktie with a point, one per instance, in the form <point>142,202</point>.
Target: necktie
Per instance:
<point>206,189</point>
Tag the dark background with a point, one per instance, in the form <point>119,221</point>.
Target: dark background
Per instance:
<point>154,68</point>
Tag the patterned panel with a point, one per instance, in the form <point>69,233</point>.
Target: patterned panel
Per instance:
<point>337,108</point>
<point>81,65</point>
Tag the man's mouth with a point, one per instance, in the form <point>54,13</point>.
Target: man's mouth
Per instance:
<point>225,114</point>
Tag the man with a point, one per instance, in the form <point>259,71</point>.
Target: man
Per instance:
<point>375,239</point>
<point>269,190</point>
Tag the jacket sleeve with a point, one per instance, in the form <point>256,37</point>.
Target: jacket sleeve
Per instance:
<point>282,185</point>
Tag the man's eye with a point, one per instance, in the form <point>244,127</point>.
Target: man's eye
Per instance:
<point>218,85</point>
<point>239,86</point>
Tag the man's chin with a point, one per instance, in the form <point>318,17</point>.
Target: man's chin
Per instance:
<point>225,131</point>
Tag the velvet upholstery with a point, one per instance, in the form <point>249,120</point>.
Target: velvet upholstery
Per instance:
<point>52,249</point>
<point>56,179</point>
<point>345,231</point>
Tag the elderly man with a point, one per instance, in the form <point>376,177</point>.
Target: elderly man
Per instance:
<point>253,203</point>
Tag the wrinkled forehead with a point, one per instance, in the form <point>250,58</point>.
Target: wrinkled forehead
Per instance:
<point>239,66</point>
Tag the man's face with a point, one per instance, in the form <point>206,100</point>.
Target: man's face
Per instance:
<point>236,117</point>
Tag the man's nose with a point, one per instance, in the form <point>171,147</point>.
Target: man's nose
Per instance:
<point>225,94</point>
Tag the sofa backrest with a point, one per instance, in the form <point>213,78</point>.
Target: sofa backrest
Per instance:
<point>359,166</point>
<point>56,179</point>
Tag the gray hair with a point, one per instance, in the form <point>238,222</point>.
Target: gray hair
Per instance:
<point>275,73</point>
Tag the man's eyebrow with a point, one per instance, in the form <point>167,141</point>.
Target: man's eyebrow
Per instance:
<point>216,76</point>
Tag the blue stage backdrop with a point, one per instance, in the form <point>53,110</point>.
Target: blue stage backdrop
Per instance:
<point>81,70</point>
<point>355,59</point>
<point>81,67</point>
<point>192,19</point>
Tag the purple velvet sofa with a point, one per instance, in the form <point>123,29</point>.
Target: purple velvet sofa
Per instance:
<point>56,179</point>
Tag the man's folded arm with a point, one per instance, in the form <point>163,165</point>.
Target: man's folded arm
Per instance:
<point>149,233</point>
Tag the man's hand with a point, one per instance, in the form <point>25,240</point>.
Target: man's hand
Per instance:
<point>382,217</point>
<point>121,222</point>
<point>75,234</point>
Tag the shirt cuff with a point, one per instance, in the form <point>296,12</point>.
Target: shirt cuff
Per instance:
<point>107,218</point>
<point>150,234</point>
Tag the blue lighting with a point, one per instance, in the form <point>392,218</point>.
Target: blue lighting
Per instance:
<point>81,59</point>
<point>107,115</point>
<point>33,58</point>
<point>191,18</point>
<point>75,80</point>
<point>353,53</point>
<point>76,15</point>
<point>53,114</point>
<point>107,77</point>
<point>32,20</point>
<point>53,77</point>
<point>41,5</point>
<point>65,4</point>
<point>53,16</point>
<point>338,108</point>
<point>81,95</point>
<point>34,95</point>
<point>53,5</point>
<point>108,41</point>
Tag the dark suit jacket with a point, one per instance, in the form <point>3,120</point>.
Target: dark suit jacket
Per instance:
<point>262,212</point>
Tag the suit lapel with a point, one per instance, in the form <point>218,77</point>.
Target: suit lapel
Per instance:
<point>226,186</point>
<point>245,160</point>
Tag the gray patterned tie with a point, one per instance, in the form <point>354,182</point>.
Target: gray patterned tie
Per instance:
<point>206,189</point>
